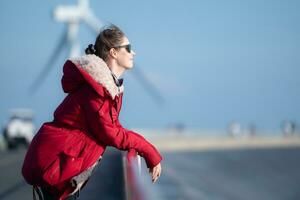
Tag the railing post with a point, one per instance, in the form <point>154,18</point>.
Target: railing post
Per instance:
<point>136,186</point>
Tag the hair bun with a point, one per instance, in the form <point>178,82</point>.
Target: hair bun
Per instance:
<point>90,49</point>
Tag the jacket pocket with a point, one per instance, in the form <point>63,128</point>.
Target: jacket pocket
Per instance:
<point>64,167</point>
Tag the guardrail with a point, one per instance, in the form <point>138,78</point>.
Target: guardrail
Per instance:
<point>132,171</point>
<point>137,185</point>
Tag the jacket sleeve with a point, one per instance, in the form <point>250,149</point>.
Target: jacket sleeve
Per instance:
<point>109,131</point>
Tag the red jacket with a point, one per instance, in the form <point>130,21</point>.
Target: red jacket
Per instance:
<point>84,124</point>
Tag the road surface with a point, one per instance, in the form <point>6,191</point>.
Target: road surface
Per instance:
<point>212,174</point>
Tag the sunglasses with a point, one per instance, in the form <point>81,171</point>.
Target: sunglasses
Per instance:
<point>126,46</point>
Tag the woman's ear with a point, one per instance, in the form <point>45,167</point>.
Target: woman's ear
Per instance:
<point>113,53</point>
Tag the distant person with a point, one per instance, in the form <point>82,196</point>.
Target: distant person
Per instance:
<point>234,129</point>
<point>65,151</point>
<point>252,130</point>
<point>288,128</point>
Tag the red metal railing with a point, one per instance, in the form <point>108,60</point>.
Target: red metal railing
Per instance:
<point>132,173</point>
<point>138,185</point>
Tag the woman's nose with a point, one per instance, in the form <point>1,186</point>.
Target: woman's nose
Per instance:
<point>133,53</point>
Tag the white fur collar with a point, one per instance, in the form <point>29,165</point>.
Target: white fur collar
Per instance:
<point>100,72</point>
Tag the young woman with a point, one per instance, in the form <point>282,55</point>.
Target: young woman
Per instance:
<point>64,152</point>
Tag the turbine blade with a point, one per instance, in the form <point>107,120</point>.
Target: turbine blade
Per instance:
<point>148,86</point>
<point>50,64</point>
<point>83,3</point>
<point>93,23</point>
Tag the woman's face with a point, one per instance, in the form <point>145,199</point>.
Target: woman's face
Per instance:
<point>125,54</point>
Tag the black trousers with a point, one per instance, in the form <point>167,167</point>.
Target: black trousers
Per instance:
<point>45,195</point>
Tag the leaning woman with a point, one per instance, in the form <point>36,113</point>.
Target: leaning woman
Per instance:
<point>65,151</point>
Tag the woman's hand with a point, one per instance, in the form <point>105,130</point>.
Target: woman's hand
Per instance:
<point>155,172</point>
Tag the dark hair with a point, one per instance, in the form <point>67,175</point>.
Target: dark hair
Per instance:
<point>111,36</point>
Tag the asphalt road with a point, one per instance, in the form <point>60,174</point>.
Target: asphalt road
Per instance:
<point>12,186</point>
<point>244,174</point>
<point>106,182</point>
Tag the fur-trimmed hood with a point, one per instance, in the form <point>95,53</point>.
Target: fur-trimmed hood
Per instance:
<point>90,69</point>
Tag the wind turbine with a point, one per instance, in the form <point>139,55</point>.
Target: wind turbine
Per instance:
<point>73,16</point>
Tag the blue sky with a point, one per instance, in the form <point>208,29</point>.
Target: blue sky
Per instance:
<point>213,61</point>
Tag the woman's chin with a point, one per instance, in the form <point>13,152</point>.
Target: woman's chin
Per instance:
<point>130,66</point>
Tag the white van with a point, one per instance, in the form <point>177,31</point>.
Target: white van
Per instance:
<point>19,130</point>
